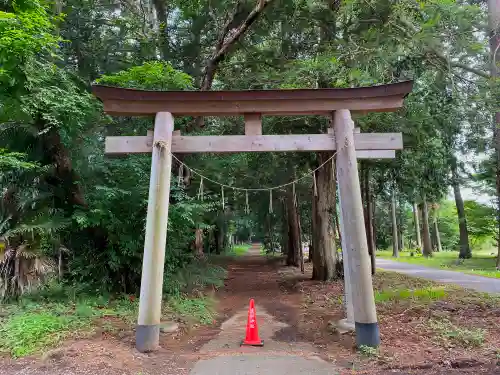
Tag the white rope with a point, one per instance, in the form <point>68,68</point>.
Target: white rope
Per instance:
<point>270,201</point>
<point>203,177</point>
<point>181,175</point>
<point>314,185</point>
<point>200,190</point>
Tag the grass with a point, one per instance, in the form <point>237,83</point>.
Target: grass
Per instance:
<point>44,319</point>
<point>452,317</point>
<point>240,249</point>
<point>195,277</point>
<point>200,310</point>
<point>452,335</point>
<point>34,324</point>
<point>422,294</point>
<point>482,262</point>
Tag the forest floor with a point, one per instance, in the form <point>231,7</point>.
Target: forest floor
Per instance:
<point>426,328</point>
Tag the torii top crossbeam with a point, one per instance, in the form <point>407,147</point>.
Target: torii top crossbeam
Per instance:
<point>132,102</point>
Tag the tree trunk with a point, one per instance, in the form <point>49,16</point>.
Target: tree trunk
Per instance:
<point>219,240</point>
<point>301,249</point>
<point>284,231</point>
<point>311,244</point>
<point>162,16</point>
<point>416,223</point>
<point>395,241</point>
<point>494,38</point>
<point>67,190</point>
<point>337,224</point>
<point>60,264</point>
<point>437,236</point>
<point>198,242</point>
<point>401,226</point>
<point>293,256</point>
<point>426,235</point>
<point>325,254</point>
<point>374,233</point>
<point>228,37</point>
<point>365,189</point>
<point>465,251</point>
<point>399,221</point>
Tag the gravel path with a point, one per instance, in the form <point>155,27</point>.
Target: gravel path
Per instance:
<point>479,283</point>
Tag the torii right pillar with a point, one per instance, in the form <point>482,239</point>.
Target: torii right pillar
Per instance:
<point>365,315</point>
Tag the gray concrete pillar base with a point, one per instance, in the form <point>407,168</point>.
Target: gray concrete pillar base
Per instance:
<point>147,338</point>
<point>367,334</point>
<point>345,326</point>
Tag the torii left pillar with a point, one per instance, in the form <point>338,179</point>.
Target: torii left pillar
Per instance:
<point>148,324</point>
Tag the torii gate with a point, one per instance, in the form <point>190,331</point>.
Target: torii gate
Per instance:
<point>253,104</point>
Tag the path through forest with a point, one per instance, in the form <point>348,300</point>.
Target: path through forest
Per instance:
<point>250,277</point>
<point>479,283</point>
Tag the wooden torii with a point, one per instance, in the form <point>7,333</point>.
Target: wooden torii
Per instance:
<point>336,104</point>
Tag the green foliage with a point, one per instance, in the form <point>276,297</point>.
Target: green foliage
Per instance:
<point>457,335</point>
<point>43,319</point>
<point>26,34</point>
<point>193,277</point>
<point>153,75</point>
<point>27,333</point>
<point>424,294</point>
<point>368,351</point>
<point>90,209</point>
<point>240,249</point>
<point>481,220</point>
<point>193,310</point>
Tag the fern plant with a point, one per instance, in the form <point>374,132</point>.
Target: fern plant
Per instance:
<point>27,224</point>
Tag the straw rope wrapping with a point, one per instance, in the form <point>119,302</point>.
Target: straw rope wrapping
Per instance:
<point>306,175</point>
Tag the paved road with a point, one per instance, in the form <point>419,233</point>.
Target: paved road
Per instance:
<point>262,365</point>
<point>479,283</point>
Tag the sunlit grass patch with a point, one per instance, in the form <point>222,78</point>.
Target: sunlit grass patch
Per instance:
<point>427,294</point>
<point>199,310</point>
<point>240,249</point>
<point>32,327</point>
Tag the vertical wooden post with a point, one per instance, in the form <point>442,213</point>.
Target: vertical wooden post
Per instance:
<point>349,309</point>
<point>395,240</point>
<point>253,124</point>
<point>416,224</point>
<point>365,316</point>
<point>148,324</point>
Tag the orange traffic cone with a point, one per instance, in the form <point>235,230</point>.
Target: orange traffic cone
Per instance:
<point>252,336</point>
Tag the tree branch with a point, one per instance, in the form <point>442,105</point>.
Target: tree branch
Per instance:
<point>457,64</point>
<point>436,50</point>
<point>223,45</point>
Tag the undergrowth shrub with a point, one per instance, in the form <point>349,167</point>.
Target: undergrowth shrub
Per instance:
<point>194,277</point>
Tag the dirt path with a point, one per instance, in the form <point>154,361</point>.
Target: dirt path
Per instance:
<point>254,276</point>
<point>479,283</point>
<point>207,349</point>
